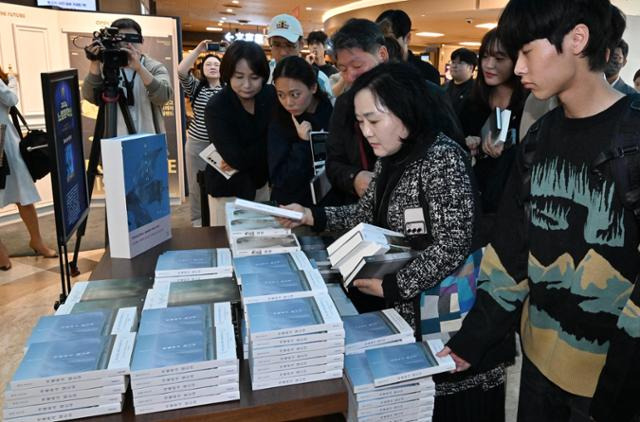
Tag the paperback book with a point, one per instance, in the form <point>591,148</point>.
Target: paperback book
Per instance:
<point>377,266</point>
<point>343,304</point>
<point>212,157</point>
<point>102,304</point>
<point>375,329</point>
<point>292,261</point>
<point>185,318</point>
<point>35,400</point>
<point>272,286</point>
<point>210,380</point>
<point>339,242</point>
<point>60,406</point>
<point>264,245</point>
<point>85,412</point>
<point>184,403</point>
<point>194,292</point>
<point>194,261</point>
<point>109,289</point>
<point>267,209</point>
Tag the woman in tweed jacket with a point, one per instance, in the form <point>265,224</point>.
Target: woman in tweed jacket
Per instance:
<point>422,188</point>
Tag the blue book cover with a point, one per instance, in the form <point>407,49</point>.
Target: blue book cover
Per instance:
<point>72,326</point>
<point>146,178</point>
<point>366,326</point>
<point>197,292</point>
<point>269,283</point>
<point>282,314</point>
<point>54,358</point>
<point>399,360</point>
<point>175,319</point>
<point>357,369</point>
<point>261,263</point>
<point>343,304</point>
<point>168,349</point>
<point>116,288</point>
<point>187,259</point>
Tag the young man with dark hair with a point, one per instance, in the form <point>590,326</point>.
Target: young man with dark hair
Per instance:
<point>401,26</point>
<point>317,41</point>
<point>564,259</point>
<point>463,63</point>
<point>617,60</point>
<point>146,83</point>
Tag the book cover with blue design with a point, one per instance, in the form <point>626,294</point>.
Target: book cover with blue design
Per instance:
<point>356,369</point>
<point>109,289</point>
<point>343,304</point>
<point>179,318</point>
<point>73,326</point>
<point>263,245</point>
<point>193,261</point>
<point>374,329</point>
<point>195,292</point>
<point>270,286</point>
<point>292,317</point>
<point>406,362</point>
<point>136,180</point>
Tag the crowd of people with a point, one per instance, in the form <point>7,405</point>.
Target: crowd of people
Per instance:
<point>555,205</point>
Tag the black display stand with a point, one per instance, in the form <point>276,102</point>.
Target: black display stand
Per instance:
<point>68,179</point>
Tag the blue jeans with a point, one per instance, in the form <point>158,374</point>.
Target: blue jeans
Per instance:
<point>541,400</point>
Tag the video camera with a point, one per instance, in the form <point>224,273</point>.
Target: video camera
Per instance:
<point>109,39</point>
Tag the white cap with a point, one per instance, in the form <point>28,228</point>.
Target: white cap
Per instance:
<point>285,26</point>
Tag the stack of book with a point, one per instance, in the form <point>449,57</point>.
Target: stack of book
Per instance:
<point>294,341</point>
<point>182,293</point>
<point>343,304</point>
<point>349,253</point>
<point>315,247</point>
<point>193,264</point>
<point>375,329</point>
<point>394,383</point>
<point>184,357</point>
<point>284,262</point>
<point>252,229</point>
<point>70,379</point>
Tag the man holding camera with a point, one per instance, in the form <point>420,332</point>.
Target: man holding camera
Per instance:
<point>145,82</point>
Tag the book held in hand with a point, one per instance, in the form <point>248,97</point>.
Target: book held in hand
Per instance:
<point>267,209</point>
<point>212,157</point>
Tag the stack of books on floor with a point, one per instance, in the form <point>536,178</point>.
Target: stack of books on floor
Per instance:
<point>68,379</point>
<point>294,341</point>
<point>193,264</point>
<point>375,329</point>
<point>184,356</point>
<point>253,230</point>
<point>394,383</point>
<point>349,253</point>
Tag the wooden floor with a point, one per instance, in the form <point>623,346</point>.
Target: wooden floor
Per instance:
<point>27,292</point>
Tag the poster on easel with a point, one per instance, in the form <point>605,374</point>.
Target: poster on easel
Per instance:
<point>68,179</point>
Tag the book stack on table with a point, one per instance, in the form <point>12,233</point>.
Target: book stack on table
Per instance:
<point>70,378</point>
<point>394,383</point>
<point>375,329</point>
<point>343,304</point>
<point>184,356</point>
<point>252,229</point>
<point>193,264</point>
<point>294,341</point>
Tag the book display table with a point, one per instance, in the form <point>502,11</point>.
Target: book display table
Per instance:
<point>310,400</point>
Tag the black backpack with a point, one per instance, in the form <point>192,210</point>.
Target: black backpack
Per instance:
<point>620,162</point>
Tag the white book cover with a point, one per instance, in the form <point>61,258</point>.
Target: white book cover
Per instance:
<point>186,262</point>
<point>258,264</point>
<point>300,356</point>
<point>271,368</point>
<point>257,377</point>
<point>105,409</point>
<point>264,245</point>
<point>220,375</point>
<point>186,394</point>
<point>382,405</point>
<point>60,406</point>
<point>399,389</point>
<point>182,404</point>
<point>271,286</point>
<point>136,182</point>
<point>61,362</point>
<point>403,406</point>
<point>255,353</point>
<point>496,127</point>
<point>192,277</point>
<point>412,414</point>
<point>375,328</point>
<point>212,157</point>
<point>281,382</point>
<point>159,390</point>
<point>332,248</point>
<point>66,388</point>
<point>267,209</point>
<point>264,225</point>
<point>292,317</point>
<point>366,248</point>
<point>72,395</point>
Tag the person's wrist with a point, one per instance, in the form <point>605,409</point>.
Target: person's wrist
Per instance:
<point>308,217</point>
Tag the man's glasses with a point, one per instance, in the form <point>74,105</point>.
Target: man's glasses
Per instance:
<point>282,45</point>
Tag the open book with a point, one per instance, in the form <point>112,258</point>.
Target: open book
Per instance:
<point>214,159</point>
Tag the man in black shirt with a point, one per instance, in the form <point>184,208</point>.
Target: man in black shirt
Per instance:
<point>463,63</point>
<point>401,26</point>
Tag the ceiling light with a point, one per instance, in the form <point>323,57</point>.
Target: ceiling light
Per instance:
<point>220,23</point>
<point>229,10</point>
<point>308,8</point>
<point>235,2</point>
<point>214,29</point>
<point>470,43</point>
<point>488,25</point>
<point>360,4</point>
<point>429,34</point>
<point>224,18</point>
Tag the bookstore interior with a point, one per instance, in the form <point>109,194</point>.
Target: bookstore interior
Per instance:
<point>254,307</point>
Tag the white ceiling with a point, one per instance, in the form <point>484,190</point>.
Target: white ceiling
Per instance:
<point>449,17</point>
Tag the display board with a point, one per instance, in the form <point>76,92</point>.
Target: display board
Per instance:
<point>68,179</point>
<point>89,5</point>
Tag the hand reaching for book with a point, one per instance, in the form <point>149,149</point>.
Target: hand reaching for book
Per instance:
<point>493,150</point>
<point>307,218</point>
<point>461,364</point>
<point>370,286</point>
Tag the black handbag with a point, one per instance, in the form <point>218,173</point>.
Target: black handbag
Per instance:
<point>34,147</point>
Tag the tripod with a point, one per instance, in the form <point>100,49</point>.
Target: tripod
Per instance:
<point>111,97</point>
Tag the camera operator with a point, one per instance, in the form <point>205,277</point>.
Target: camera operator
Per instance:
<point>146,83</point>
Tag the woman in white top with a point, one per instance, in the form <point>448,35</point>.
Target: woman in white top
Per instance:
<point>199,91</point>
<point>18,186</point>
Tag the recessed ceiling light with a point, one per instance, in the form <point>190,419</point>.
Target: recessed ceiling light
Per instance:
<point>224,18</point>
<point>230,10</point>
<point>429,34</point>
<point>308,8</point>
<point>214,29</point>
<point>235,2</point>
<point>470,43</point>
<point>488,25</point>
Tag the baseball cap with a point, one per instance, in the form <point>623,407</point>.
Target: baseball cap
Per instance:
<point>285,26</point>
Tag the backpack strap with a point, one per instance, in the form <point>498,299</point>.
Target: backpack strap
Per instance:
<point>16,118</point>
<point>196,92</point>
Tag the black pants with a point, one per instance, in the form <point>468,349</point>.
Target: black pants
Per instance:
<point>472,405</point>
<point>541,400</point>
